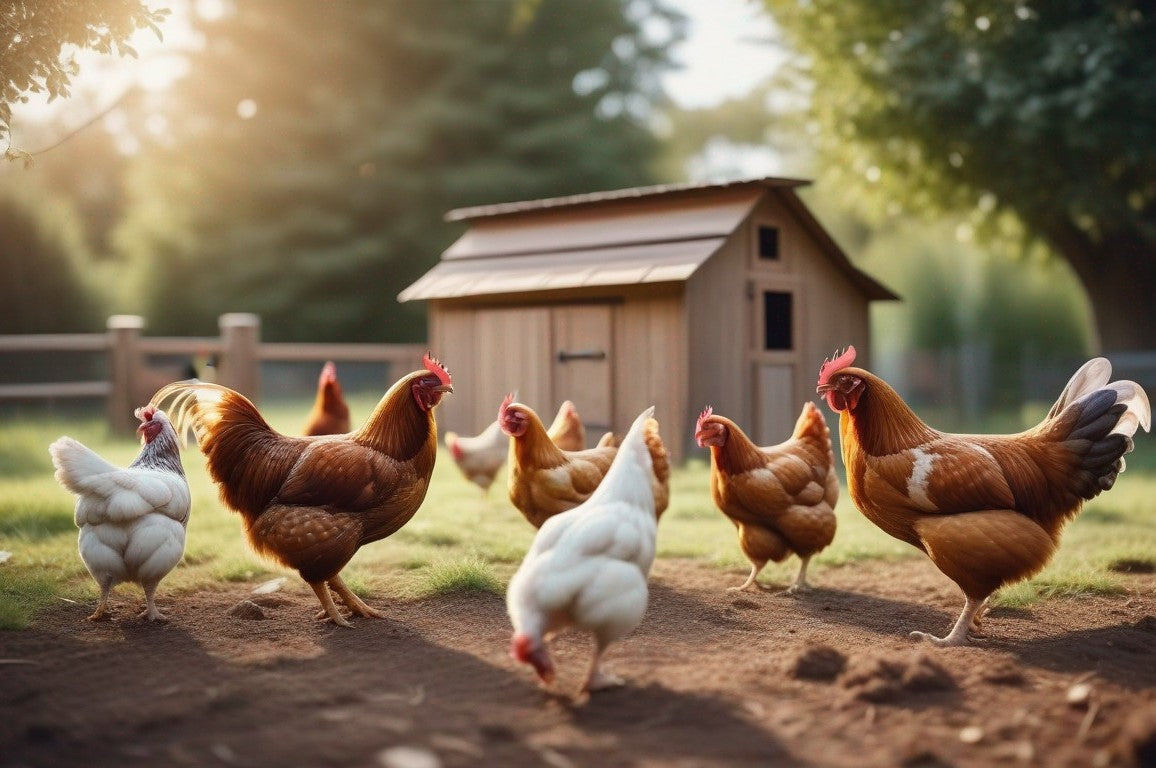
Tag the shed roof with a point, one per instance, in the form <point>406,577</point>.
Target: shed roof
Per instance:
<point>621,237</point>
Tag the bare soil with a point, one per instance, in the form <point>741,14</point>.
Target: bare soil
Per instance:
<point>826,678</point>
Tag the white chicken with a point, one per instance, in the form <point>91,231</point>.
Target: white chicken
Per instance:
<point>132,521</point>
<point>588,566</point>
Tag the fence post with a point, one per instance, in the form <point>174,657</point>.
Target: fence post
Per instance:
<point>240,363</point>
<point>124,365</point>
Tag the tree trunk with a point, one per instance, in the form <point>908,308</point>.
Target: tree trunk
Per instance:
<point>1119,274</point>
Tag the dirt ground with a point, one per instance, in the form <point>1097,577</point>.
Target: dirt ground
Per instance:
<point>828,678</point>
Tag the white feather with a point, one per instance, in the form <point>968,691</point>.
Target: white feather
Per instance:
<point>131,520</point>
<point>588,567</point>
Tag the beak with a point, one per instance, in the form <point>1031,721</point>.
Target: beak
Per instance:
<point>823,389</point>
<point>444,388</point>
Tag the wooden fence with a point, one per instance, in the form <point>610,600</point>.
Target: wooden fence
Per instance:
<point>238,353</point>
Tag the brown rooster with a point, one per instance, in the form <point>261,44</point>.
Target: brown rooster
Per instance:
<point>781,498</point>
<point>311,502</point>
<point>545,480</point>
<point>330,414</point>
<point>987,509</point>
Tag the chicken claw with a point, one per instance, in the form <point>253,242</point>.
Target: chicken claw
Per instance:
<point>329,610</point>
<point>101,613</point>
<point>961,633</point>
<point>352,601</point>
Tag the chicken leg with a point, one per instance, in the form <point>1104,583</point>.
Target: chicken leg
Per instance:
<point>961,633</point>
<point>328,607</point>
<point>150,612</point>
<point>756,569</point>
<point>599,679</point>
<point>800,584</point>
<point>352,601</point>
<point>101,612</point>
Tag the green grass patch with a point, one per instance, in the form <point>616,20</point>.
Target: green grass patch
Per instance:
<point>468,574</point>
<point>1064,584</point>
<point>23,593</point>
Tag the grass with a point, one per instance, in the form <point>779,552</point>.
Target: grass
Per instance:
<point>462,539</point>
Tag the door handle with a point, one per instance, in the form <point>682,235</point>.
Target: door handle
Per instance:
<point>586,354</point>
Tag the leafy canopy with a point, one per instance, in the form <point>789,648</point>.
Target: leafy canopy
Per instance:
<point>38,40</point>
<point>1046,110</point>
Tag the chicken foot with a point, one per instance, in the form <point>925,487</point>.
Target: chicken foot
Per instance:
<point>800,584</point>
<point>329,610</point>
<point>151,612</point>
<point>328,607</point>
<point>961,633</point>
<point>352,601</point>
<point>756,569</point>
<point>101,613</point>
<point>599,679</point>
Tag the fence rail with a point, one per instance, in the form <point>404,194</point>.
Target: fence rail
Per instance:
<point>238,352</point>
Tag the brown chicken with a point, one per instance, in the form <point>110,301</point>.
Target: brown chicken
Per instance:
<point>330,414</point>
<point>481,456</point>
<point>782,497</point>
<point>311,502</point>
<point>567,432</point>
<point>987,509</point>
<point>545,480</point>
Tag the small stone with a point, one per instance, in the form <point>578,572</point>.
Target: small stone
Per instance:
<point>972,734</point>
<point>247,609</point>
<point>4,556</point>
<point>1079,695</point>
<point>408,757</point>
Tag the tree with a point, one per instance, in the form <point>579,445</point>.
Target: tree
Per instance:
<point>1043,110</point>
<point>313,155</point>
<point>38,39</point>
<point>43,286</point>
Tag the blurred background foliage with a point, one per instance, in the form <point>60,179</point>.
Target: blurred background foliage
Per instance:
<point>993,162</point>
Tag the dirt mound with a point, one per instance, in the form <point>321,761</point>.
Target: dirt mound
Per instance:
<point>818,662</point>
<point>890,679</point>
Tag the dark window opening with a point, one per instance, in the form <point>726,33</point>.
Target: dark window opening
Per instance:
<point>776,320</point>
<point>769,243</point>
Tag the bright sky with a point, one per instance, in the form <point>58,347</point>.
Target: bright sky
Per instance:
<point>727,51</point>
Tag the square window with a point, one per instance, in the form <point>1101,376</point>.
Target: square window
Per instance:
<point>769,243</point>
<point>777,320</point>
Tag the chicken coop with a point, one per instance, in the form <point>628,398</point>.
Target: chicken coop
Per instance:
<point>728,294</point>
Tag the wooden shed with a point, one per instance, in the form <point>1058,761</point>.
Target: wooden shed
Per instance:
<point>680,296</point>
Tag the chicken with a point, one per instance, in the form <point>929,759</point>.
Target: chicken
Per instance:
<point>567,431</point>
<point>310,503</point>
<point>132,521</point>
<point>987,509</point>
<point>588,566</point>
<point>481,456</point>
<point>330,413</point>
<point>545,480</point>
<point>781,498</point>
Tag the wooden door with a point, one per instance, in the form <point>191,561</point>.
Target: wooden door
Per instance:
<point>511,344</point>
<point>774,397</point>
<point>582,353</point>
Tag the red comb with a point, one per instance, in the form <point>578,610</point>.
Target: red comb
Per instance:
<point>837,362</point>
<point>146,413</point>
<point>329,372</point>
<point>505,404</point>
<point>434,366</point>
<point>708,411</point>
